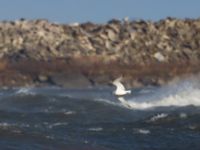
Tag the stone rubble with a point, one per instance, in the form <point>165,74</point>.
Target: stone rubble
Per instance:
<point>167,42</point>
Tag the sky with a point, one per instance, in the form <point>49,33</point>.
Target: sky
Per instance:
<point>98,11</point>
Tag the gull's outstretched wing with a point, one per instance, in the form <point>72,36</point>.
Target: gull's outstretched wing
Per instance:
<point>118,84</point>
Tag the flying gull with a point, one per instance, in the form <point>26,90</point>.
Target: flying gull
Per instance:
<point>121,91</point>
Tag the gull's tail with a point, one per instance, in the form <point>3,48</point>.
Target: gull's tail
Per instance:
<point>128,91</point>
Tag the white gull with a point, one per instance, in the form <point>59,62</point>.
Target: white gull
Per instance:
<point>121,91</point>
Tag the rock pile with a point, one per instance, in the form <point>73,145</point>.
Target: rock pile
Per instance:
<point>132,43</point>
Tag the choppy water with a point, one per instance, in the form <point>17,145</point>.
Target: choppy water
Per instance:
<point>93,119</point>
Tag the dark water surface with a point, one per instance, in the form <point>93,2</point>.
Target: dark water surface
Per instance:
<point>93,119</point>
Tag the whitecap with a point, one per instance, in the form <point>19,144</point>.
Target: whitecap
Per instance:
<point>5,125</point>
<point>69,112</point>
<point>192,127</point>
<point>24,91</point>
<point>143,131</point>
<point>179,95</point>
<point>158,117</point>
<point>50,137</point>
<point>96,129</point>
<point>183,115</point>
<point>57,124</point>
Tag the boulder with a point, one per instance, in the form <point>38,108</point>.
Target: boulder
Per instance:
<point>159,57</point>
<point>70,80</point>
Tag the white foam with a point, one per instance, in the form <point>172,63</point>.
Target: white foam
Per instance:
<point>50,137</point>
<point>8,125</point>
<point>96,129</point>
<point>192,127</point>
<point>4,125</point>
<point>69,112</point>
<point>182,94</point>
<point>183,115</point>
<point>158,117</point>
<point>143,131</point>
<point>24,91</point>
<point>52,125</point>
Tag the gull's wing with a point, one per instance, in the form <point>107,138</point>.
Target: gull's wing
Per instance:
<point>118,84</point>
<point>117,80</point>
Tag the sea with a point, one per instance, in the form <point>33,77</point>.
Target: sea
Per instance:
<point>54,118</point>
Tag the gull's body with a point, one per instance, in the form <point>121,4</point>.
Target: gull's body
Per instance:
<point>120,89</point>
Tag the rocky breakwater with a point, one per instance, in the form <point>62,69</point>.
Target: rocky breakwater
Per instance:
<point>37,52</point>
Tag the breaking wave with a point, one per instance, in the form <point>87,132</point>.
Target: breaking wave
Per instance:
<point>181,94</point>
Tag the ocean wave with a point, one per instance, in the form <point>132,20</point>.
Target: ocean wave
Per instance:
<point>25,91</point>
<point>6,125</point>
<point>107,101</point>
<point>57,124</point>
<point>181,94</point>
<point>158,117</point>
<point>142,131</point>
<point>95,129</point>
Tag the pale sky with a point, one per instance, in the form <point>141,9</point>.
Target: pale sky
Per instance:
<point>98,11</point>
